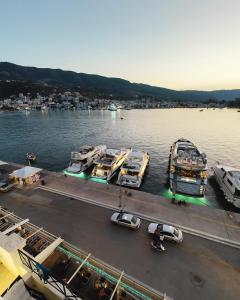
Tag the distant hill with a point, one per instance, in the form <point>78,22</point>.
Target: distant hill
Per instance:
<point>96,85</point>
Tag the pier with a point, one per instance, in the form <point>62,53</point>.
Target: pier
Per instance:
<point>205,265</point>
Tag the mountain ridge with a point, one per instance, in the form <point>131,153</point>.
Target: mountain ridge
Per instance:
<point>97,85</point>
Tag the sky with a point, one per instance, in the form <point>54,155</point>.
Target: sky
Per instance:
<point>179,44</point>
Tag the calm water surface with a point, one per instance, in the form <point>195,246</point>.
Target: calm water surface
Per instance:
<point>53,135</point>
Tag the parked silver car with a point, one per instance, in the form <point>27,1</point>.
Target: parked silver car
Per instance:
<point>126,219</point>
<point>169,232</point>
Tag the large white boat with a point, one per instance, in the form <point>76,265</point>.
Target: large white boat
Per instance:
<point>107,166</point>
<point>133,169</point>
<point>187,169</point>
<point>84,158</point>
<point>228,179</point>
<point>112,107</point>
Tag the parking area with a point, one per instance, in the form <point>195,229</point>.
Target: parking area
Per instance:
<point>196,269</point>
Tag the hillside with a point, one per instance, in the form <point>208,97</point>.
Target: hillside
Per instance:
<point>96,85</point>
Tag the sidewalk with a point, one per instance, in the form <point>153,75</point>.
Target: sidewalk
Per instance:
<point>208,222</point>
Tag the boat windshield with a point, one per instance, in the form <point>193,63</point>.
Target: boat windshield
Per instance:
<point>237,193</point>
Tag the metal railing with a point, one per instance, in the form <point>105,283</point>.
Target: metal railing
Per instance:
<point>45,275</point>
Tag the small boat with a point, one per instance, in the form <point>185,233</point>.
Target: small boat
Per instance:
<point>112,107</point>
<point>133,169</point>
<point>107,166</point>
<point>31,157</point>
<point>84,158</point>
<point>201,110</point>
<point>228,179</point>
<point>187,169</point>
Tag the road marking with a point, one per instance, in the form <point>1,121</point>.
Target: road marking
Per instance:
<point>165,207</point>
<point>150,219</point>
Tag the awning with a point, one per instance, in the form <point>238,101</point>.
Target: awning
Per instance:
<point>25,172</point>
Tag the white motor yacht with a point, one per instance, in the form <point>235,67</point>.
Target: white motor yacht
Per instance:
<point>133,169</point>
<point>228,179</point>
<point>107,166</point>
<point>84,158</point>
<point>187,169</point>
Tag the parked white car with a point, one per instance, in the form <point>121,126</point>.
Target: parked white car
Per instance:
<point>126,219</point>
<point>169,232</point>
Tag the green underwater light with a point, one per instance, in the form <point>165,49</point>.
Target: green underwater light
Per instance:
<point>193,200</point>
<point>98,180</point>
<point>78,175</point>
<point>84,175</point>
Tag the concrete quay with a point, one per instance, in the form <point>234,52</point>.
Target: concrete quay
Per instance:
<point>211,223</point>
<point>199,268</point>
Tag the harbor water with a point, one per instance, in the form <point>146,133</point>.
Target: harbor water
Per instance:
<point>52,135</point>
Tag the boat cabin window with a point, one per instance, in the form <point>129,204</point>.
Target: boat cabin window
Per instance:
<point>84,161</point>
<point>132,173</point>
<point>104,168</point>
<point>237,193</point>
<point>229,182</point>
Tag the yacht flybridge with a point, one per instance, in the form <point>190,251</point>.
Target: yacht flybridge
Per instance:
<point>228,179</point>
<point>187,169</point>
<point>107,166</point>
<point>133,169</point>
<point>84,158</point>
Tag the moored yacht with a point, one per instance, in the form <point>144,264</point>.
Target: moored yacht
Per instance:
<point>133,169</point>
<point>107,166</point>
<point>84,158</point>
<point>228,179</point>
<point>187,169</point>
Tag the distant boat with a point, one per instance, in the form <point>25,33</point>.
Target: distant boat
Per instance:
<point>238,111</point>
<point>112,107</point>
<point>31,157</point>
<point>201,110</point>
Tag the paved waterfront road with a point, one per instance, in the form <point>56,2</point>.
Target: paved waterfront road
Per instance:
<point>197,269</point>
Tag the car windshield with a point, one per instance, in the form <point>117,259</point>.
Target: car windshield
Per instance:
<point>176,232</point>
<point>134,220</point>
